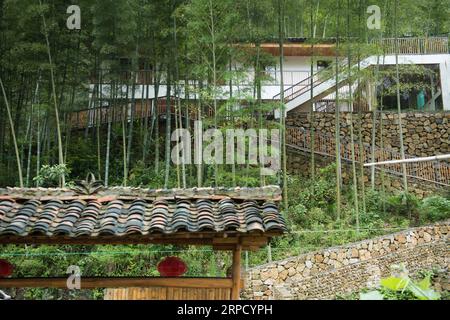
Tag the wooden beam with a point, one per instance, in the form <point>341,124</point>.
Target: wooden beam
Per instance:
<point>296,49</point>
<point>58,240</point>
<point>226,241</point>
<point>119,282</point>
<point>236,273</point>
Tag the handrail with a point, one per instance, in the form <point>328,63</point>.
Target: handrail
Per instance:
<point>316,80</point>
<point>430,45</point>
<point>103,115</point>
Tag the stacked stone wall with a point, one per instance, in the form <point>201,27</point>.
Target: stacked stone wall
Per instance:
<point>346,269</point>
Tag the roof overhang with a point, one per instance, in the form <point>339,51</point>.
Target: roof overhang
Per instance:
<point>217,217</point>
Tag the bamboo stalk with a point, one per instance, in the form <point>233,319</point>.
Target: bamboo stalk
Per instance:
<point>13,135</point>
<point>52,75</point>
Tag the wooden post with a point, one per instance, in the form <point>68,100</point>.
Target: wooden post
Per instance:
<point>236,272</point>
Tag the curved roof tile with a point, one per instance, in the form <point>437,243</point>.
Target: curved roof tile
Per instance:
<point>133,212</point>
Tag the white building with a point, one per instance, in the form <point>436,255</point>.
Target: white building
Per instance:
<point>430,52</point>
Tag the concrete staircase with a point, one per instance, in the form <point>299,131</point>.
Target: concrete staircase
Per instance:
<point>325,83</point>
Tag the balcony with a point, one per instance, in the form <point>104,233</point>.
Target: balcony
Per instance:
<point>413,46</point>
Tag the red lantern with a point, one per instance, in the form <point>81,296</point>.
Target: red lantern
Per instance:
<point>172,267</point>
<point>6,269</point>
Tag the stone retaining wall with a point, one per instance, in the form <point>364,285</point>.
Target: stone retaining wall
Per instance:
<point>346,269</point>
<point>425,134</point>
<point>298,163</point>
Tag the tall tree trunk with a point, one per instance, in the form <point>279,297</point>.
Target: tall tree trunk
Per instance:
<point>133,108</point>
<point>199,131</point>
<point>168,131</point>
<point>352,136</point>
<point>13,135</point>
<point>282,106</point>
<point>148,119</point>
<point>315,23</point>
<point>109,114</point>
<point>337,122</point>
<point>38,140</point>
<point>214,72</point>
<point>156,119</point>
<point>399,107</point>
<point>30,142</point>
<point>58,126</point>
<point>124,139</point>
<point>155,116</point>
<point>178,104</point>
<point>311,107</point>
<point>72,96</point>
<point>99,124</point>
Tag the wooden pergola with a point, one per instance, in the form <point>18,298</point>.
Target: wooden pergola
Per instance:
<point>225,219</point>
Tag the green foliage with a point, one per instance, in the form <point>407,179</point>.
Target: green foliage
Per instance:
<point>107,260</point>
<point>435,208</point>
<point>144,176</point>
<point>402,287</point>
<point>311,214</point>
<point>404,205</point>
<point>311,221</point>
<point>311,198</point>
<point>412,77</point>
<point>116,32</point>
<point>50,176</point>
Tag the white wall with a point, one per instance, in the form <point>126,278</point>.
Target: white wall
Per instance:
<point>297,69</point>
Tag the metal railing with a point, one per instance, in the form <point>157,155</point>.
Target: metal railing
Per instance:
<point>290,77</point>
<point>324,105</point>
<point>315,80</point>
<point>413,46</point>
<point>436,172</point>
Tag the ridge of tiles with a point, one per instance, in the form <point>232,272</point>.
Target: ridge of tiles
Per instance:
<point>112,214</point>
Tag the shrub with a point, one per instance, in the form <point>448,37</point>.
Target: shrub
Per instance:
<point>404,204</point>
<point>435,208</point>
<point>50,176</point>
<point>314,193</point>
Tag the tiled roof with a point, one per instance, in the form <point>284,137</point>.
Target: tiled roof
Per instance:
<point>130,211</point>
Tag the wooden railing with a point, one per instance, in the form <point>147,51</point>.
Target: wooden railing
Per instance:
<point>414,46</point>
<point>436,172</point>
<point>139,288</point>
<point>103,115</point>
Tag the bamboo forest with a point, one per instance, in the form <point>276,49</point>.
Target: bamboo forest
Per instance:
<point>224,149</point>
